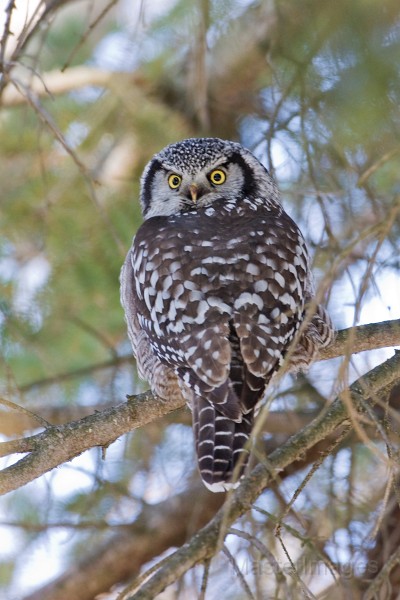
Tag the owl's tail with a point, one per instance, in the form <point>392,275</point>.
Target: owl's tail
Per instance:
<point>220,445</point>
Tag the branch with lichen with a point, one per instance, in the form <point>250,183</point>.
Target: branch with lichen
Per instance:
<point>59,444</point>
<point>364,337</point>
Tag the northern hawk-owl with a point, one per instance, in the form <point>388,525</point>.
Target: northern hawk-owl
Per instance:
<point>214,288</point>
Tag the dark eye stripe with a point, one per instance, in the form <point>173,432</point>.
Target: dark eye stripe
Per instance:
<point>249,186</point>
<point>146,194</point>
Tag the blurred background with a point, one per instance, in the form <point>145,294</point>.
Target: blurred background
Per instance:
<point>90,90</point>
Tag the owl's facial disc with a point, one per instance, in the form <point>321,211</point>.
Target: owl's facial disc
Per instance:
<point>192,174</point>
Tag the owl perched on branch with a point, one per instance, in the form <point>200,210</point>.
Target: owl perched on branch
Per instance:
<point>215,288</point>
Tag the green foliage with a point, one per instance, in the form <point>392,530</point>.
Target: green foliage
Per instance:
<point>60,42</point>
<point>6,572</point>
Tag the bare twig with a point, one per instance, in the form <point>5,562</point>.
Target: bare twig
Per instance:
<point>307,594</point>
<point>378,583</point>
<point>6,33</point>
<point>204,580</point>
<point>89,30</point>
<point>264,551</point>
<point>310,473</point>
<point>238,572</point>
<point>24,411</point>
<point>376,165</point>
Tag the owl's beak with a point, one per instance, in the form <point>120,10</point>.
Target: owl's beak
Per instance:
<point>193,189</point>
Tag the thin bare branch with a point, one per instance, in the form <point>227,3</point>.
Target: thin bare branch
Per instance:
<point>20,409</point>
<point>239,573</point>
<point>378,584</point>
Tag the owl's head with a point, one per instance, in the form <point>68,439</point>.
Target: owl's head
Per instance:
<point>196,172</point>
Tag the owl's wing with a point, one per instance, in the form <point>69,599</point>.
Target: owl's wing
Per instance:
<point>161,378</point>
<point>187,329</point>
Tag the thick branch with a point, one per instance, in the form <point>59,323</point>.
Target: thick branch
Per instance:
<point>57,445</point>
<point>364,337</point>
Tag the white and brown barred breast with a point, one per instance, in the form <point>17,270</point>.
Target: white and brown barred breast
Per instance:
<point>213,299</point>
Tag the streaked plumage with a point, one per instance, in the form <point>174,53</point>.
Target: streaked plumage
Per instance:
<point>215,287</point>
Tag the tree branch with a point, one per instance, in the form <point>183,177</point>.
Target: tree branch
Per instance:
<point>364,337</point>
<point>60,444</point>
<point>57,82</point>
<point>57,445</point>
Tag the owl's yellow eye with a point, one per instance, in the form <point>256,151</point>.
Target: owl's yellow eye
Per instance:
<point>217,176</point>
<point>174,181</point>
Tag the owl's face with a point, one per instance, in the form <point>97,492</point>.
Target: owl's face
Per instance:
<point>196,172</point>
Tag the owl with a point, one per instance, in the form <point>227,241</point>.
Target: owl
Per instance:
<point>214,288</point>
